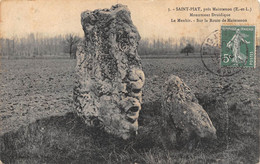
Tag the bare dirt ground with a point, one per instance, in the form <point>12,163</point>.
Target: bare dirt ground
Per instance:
<point>37,123</point>
<point>33,89</point>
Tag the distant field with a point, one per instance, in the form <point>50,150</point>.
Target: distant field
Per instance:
<point>41,89</point>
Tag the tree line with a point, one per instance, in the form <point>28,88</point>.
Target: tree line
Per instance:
<point>170,46</point>
<point>35,45</point>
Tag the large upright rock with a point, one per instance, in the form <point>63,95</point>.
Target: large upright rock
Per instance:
<point>188,116</point>
<point>108,93</point>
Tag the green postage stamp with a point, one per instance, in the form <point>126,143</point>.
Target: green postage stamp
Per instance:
<point>238,46</point>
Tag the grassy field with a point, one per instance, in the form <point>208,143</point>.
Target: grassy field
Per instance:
<point>37,123</point>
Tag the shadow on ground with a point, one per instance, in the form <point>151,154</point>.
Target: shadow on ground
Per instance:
<point>57,139</point>
<point>66,139</point>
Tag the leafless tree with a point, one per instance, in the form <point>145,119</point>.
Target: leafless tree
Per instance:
<point>71,42</point>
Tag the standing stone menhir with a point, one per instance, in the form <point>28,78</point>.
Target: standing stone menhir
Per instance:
<point>108,92</point>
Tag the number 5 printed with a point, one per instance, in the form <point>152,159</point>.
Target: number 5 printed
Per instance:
<point>226,58</point>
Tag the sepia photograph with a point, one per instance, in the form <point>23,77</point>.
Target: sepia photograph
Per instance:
<point>131,82</point>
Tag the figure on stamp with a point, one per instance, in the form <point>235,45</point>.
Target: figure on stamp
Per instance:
<point>234,45</point>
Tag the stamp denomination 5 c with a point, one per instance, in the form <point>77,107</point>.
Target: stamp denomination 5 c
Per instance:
<point>238,46</point>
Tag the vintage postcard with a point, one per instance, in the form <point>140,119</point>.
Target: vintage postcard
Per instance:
<point>120,81</point>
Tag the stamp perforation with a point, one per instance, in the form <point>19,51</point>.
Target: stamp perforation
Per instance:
<point>237,38</point>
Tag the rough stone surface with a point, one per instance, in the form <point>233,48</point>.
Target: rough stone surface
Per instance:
<point>108,93</point>
<point>188,116</point>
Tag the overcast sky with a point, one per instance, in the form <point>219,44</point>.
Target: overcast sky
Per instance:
<point>151,17</point>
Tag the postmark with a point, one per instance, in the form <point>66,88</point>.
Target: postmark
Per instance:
<point>211,58</point>
<point>219,43</point>
<point>238,46</point>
